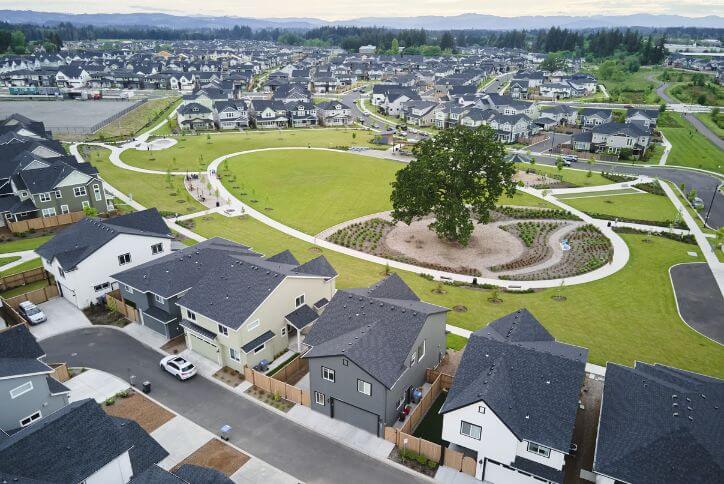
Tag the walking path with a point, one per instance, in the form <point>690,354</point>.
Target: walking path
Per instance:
<point>25,256</point>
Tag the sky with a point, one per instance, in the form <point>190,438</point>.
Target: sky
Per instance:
<point>348,9</point>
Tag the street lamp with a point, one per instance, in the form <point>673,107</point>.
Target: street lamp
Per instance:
<point>711,204</point>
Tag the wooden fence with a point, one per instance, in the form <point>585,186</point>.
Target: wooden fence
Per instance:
<point>294,368</point>
<point>45,222</point>
<point>23,278</point>
<point>36,297</point>
<point>419,412</point>
<point>460,462</point>
<point>115,304</point>
<point>272,385</point>
<point>10,314</point>
<point>60,372</point>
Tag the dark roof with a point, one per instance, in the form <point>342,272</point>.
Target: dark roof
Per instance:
<point>258,341</point>
<point>145,451</point>
<point>159,314</point>
<point>528,379</point>
<point>660,424</point>
<point>201,475</point>
<point>155,475</point>
<point>19,352</point>
<point>55,386</point>
<point>74,244</point>
<point>538,469</point>
<point>284,257</point>
<point>71,443</point>
<point>321,303</point>
<point>302,316</point>
<point>195,328</point>
<point>372,327</point>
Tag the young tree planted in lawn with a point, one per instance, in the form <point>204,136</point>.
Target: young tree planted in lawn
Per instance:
<point>458,175</point>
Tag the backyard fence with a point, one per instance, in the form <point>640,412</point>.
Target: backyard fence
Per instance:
<point>40,223</point>
<point>292,371</point>
<point>431,375</point>
<point>36,297</point>
<point>459,461</point>
<point>114,303</point>
<point>22,278</point>
<point>10,315</point>
<point>277,387</point>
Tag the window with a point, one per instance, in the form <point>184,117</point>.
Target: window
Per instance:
<point>345,362</point>
<point>284,331</point>
<point>413,358</point>
<point>58,194</point>
<point>364,387</point>
<point>319,398</point>
<point>234,354</point>
<point>44,197</point>
<point>48,212</point>
<point>421,351</point>
<point>299,301</point>
<point>327,374</point>
<point>30,419</point>
<point>85,204</point>
<point>124,259</point>
<point>470,430</point>
<point>539,449</point>
<point>191,315</point>
<point>481,409</point>
<point>21,390</point>
<point>101,287</point>
<point>223,330</point>
<point>64,209</point>
<point>61,272</point>
<point>156,248</point>
<point>159,299</point>
<point>253,325</point>
<point>97,192</point>
<point>79,191</point>
<point>259,348</point>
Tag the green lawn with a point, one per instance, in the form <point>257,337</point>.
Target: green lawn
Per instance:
<point>25,266</point>
<point>640,206</point>
<point>8,260</point>
<point>165,193</point>
<point>628,316</point>
<point>431,426</point>
<point>455,342</point>
<point>622,191</point>
<point>16,291</point>
<point>709,122</point>
<point>194,153</point>
<point>25,243</point>
<point>689,147</point>
<point>688,93</point>
<point>575,177</point>
<point>633,88</point>
<point>143,117</point>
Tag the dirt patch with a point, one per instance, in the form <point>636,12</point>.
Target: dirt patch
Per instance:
<point>270,399</point>
<point>529,178</point>
<point>147,413</point>
<point>100,314</point>
<point>229,376</point>
<point>460,308</point>
<point>175,345</point>
<point>216,455</point>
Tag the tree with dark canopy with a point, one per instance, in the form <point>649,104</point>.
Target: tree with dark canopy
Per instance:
<point>457,176</point>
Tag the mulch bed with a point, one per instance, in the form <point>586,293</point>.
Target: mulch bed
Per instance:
<point>229,376</point>
<point>412,464</point>
<point>268,398</point>
<point>147,413</point>
<point>101,315</point>
<point>218,455</point>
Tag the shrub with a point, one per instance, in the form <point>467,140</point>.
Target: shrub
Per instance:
<point>110,401</point>
<point>431,464</point>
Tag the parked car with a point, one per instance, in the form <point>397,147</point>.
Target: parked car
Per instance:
<point>178,367</point>
<point>32,313</point>
<point>570,158</point>
<point>697,203</point>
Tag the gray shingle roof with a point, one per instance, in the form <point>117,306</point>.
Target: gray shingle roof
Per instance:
<point>75,243</point>
<point>145,451</point>
<point>302,316</point>
<point>195,328</point>
<point>284,257</point>
<point>19,352</point>
<point>201,475</point>
<point>528,379</point>
<point>55,386</point>
<point>258,341</point>
<point>376,333</point>
<point>156,475</point>
<point>538,469</point>
<point>660,424</point>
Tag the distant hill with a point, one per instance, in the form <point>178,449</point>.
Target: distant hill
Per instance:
<point>457,22</point>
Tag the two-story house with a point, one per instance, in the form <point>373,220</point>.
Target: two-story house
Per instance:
<point>419,113</point>
<point>268,114</point>
<point>334,113</point>
<point>231,114</point>
<point>591,117</point>
<point>514,400</point>
<point>644,117</point>
<point>83,256</point>
<point>369,350</point>
<point>236,315</point>
<point>194,115</point>
<point>302,114</point>
<point>27,391</point>
<point>616,137</point>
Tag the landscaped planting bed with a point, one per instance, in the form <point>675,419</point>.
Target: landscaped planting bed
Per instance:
<point>364,236</point>
<point>535,237</point>
<point>534,213</point>
<point>590,249</point>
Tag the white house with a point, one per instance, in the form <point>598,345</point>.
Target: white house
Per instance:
<point>514,400</point>
<point>83,256</point>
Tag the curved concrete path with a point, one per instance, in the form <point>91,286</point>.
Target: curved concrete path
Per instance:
<point>698,299</point>
<point>25,256</point>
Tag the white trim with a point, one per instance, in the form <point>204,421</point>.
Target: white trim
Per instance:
<point>251,326</point>
<point>21,390</point>
<point>39,416</point>
<point>328,371</point>
<point>316,398</point>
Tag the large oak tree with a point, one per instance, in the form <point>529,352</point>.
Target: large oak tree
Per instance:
<point>457,176</point>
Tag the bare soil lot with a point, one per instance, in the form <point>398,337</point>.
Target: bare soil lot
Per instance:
<point>148,414</point>
<point>217,455</point>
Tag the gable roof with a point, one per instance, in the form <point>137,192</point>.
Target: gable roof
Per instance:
<point>528,379</point>
<point>372,328</point>
<point>19,352</point>
<point>660,424</point>
<point>284,257</point>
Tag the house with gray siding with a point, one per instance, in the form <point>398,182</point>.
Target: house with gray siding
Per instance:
<point>369,350</point>
<point>27,391</point>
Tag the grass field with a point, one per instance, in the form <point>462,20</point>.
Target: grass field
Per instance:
<point>628,316</point>
<point>640,206</point>
<point>165,193</point>
<point>137,119</point>
<point>25,266</point>
<point>622,191</point>
<point>689,147</point>
<point>634,88</point>
<point>682,88</point>
<point>8,260</point>
<point>26,243</point>
<point>577,177</point>
<point>16,291</point>
<point>194,153</point>
<point>709,122</point>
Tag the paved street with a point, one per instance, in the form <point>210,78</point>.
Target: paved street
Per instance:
<point>271,437</point>
<point>699,299</point>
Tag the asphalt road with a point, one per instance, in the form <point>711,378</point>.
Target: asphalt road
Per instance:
<point>700,301</point>
<point>277,440</point>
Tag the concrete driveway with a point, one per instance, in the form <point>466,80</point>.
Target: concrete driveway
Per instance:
<point>62,317</point>
<point>699,299</point>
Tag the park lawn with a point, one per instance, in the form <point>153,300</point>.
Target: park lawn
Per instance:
<point>628,316</point>
<point>138,119</point>
<point>523,199</point>
<point>311,190</point>
<point>25,266</point>
<point>577,177</point>
<point>195,152</point>
<point>709,122</point>
<point>166,193</point>
<point>25,243</point>
<point>600,193</point>
<point>689,147</point>
<point>639,206</point>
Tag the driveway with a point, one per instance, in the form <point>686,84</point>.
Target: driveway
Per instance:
<point>699,299</point>
<point>553,139</point>
<point>271,437</point>
<point>62,317</point>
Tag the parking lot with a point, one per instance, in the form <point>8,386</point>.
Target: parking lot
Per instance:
<point>66,115</point>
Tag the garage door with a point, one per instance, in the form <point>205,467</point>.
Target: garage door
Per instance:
<point>356,416</point>
<point>68,293</point>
